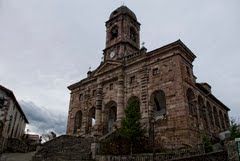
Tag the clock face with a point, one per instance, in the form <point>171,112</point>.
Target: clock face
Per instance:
<point>112,54</point>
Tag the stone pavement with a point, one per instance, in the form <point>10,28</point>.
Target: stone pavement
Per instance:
<point>17,156</point>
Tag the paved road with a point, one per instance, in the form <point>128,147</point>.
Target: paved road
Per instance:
<point>17,156</point>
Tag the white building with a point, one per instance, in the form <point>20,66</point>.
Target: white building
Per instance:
<point>12,119</point>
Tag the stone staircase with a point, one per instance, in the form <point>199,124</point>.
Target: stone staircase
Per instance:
<point>107,135</point>
<point>65,148</point>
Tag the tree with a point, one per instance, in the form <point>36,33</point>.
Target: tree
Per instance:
<point>208,146</point>
<point>131,126</point>
<point>234,129</point>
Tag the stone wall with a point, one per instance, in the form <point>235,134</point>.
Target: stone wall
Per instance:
<point>16,145</point>
<point>65,148</point>
<point>217,156</point>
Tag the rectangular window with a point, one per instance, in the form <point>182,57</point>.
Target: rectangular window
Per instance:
<point>80,97</point>
<point>155,71</point>
<point>94,93</point>
<point>111,86</point>
<point>132,79</point>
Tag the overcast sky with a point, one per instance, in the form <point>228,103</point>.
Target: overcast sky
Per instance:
<point>46,45</point>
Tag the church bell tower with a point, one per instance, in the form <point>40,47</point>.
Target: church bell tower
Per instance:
<point>122,34</point>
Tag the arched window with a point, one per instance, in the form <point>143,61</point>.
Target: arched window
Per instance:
<point>205,117</point>
<point>81,97</point>
<point>201,107</point>
<point>216,116</point>
<point>114,32</point>
<point>92,115</point>
<point>91,119</point>
<point>222,119</point>
<point>158,101</point>
<point>226,120</point>
<point>210,113</point>
<point>191,101</point>
<point>133,34</point>
<point>204,112</point>
<point>111,115</point>
<point>77,122</point>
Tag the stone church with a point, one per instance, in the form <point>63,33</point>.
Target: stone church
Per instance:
<point>174,107</point>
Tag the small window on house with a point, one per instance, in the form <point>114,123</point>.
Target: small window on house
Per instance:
<point>80,97</point>
<point>132,79</point>
<point>111,86</point>
<point>1,102</point>
<point>155,71</point>
<point>94,93</point>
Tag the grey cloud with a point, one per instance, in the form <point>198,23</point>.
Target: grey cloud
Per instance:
<point>47,45</point>
<point>42,120</point>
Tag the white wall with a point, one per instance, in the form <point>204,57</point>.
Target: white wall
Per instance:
<point>13,128</point>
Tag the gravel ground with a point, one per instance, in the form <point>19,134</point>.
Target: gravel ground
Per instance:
<point>16,156</point>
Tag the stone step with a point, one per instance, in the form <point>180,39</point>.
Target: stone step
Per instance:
<point>65,147</point>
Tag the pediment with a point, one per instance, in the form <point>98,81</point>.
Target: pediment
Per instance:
<point>107,66</point>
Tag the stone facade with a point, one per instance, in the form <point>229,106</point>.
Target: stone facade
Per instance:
<point>174,107</point>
